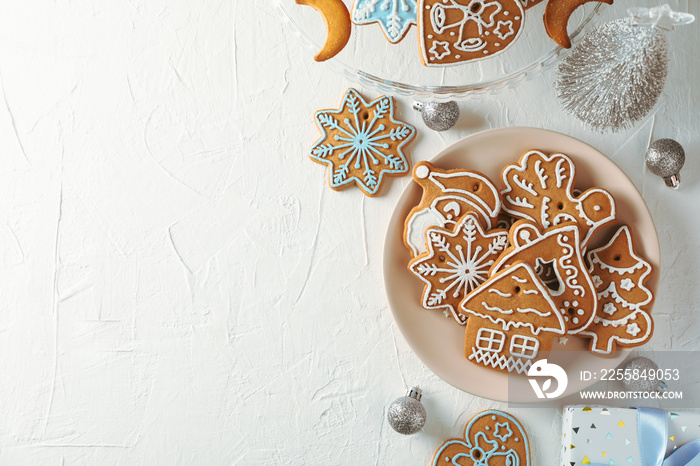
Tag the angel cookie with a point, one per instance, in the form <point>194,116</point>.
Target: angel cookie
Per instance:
<point>362,143</point>
<point>491,438</point>
<point>540,188</point>
<point>623,299</point>
<point>455,31</point>
<point>456,262</point>
<point>555,250</point>
<point>512,320</point>
<point>448,195</point>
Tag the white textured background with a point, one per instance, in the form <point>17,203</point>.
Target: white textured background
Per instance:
<point>180,286</point>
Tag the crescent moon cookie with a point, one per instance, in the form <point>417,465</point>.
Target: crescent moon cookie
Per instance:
<point>448,195</point>
<point>512,320</point>
<point>623,299</point>
<point>455,263</point>
<point>572,291</point>
<point>556,18</point>
<point>456,31</point>
<point>362,143</point>
<point>338,25</point>
<point>394,16</point>
<point>540,188</point>
<point>491,438</point>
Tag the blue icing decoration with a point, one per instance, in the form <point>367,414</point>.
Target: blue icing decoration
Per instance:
<point>483,450</point>
<point>359,152</point>
<point>630,459</point>
<point>609,435</point>
<point>394,16</point>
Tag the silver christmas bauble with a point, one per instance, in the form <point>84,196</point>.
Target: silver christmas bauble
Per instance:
<point>642,383</point>
<point>406,414</point>
<point>438,116</point>
<point>665,158</point>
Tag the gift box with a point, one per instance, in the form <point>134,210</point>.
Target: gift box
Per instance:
<point>599,435</point>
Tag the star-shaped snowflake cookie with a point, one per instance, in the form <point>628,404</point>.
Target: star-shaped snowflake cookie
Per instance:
<point>362,142</point>
<point>394,16</point>
<point>456,262</point>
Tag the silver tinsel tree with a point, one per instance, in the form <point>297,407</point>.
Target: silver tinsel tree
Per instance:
<point>614,76</point>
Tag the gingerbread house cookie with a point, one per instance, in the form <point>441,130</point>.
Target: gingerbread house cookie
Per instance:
<point>512,320</point>
<point>556,257</point>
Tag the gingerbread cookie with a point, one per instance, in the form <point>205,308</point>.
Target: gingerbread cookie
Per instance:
<point>362,143</point>
<point>555,255</point>
<point>556,18</point>
<point>448,195</point>
<point>394,16</point>
<point>540,188</point>
<point>338,26</point>
<point>455,31</point>
<point>456,262</point>
<point>623,299</point>
<point>512,320</point>
<point>491,438</point>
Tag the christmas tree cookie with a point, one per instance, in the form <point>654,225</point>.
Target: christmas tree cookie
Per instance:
<point>619,275</point>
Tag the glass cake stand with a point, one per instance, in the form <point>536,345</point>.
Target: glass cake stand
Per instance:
<point>370,60</point>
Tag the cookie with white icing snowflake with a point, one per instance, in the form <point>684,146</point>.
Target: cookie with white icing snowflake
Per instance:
<point>624,301</point>
<point>449,195</point>
<point>540,188</point>
<point>456,262</point>
<point>362,143</point>
<point>555,254</point>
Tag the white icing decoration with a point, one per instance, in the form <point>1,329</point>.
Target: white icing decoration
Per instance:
<point>609,308</point>
<point>633,329</point>
<point>422,171</point>
<point>626,284</point>
<point>500,293</point>
<point>496,308</point>
<point>417,226</point>
<point>520,202</point>
<point>439,55</point>
<point>490,340</point>
<point>507,29</point>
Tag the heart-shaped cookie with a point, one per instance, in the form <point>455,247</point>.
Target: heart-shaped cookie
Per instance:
<point>491,438</point>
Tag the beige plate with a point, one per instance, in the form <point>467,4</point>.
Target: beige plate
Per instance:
<point>438,341</point>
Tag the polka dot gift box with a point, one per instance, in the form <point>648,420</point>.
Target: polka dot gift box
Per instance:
<point>599,435</point>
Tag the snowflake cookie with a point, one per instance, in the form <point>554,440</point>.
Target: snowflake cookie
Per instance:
<point>394,16</point>
<point>624,301</point>
<point>362,142</point>
<point>456,262</point>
